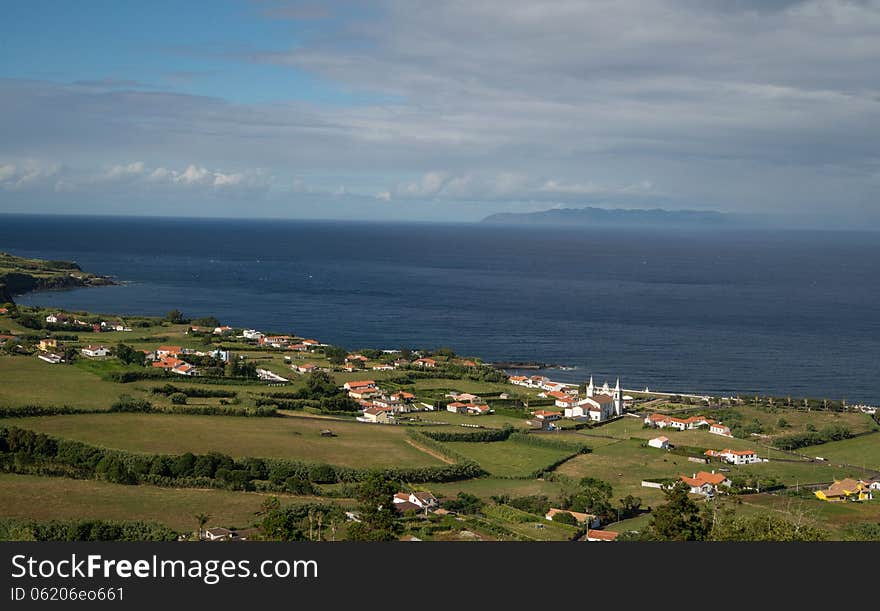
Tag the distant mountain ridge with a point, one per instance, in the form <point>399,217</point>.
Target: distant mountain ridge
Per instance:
<point>611,216</point>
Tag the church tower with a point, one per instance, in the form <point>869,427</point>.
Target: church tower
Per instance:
<point>618,399</point>
<point>590,388</point>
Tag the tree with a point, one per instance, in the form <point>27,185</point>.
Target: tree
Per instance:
<point>782,423</point>
<point>335,354</point>
<point>377,514</point>
<point>202,519</point>
<point>174,316</point>
<point>563,517</point>
<point>320,384</point>
<point>680,518</point>
<point>629,506</point>
<point>129,355</point>
<point>765,527</point>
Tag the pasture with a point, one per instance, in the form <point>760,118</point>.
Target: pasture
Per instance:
<point>355,444</point>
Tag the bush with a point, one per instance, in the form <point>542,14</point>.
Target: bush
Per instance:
<point>178,398</point>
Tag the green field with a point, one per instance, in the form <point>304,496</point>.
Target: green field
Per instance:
<point>355,445</point>
<point>833,517</point>
<point>488,420</point>
<point>53,498</point>
<point>508,458</point>
<point>489,486</point>
<point>26,380</point>
<point>861,451</point>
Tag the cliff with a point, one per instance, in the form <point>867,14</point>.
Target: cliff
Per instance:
<point>20,275</point>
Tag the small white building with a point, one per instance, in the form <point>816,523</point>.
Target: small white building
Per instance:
<point>720,429</point>
<point>661,443</point>
<point>53,359</point>
<point>95,351</point>
<point>736,457</point>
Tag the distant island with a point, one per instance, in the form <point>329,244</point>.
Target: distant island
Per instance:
<point>612,216</point>
<point>19,275</point>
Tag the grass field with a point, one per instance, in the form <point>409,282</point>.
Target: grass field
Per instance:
<point>626,428</point>
<point>507,458</point>
<point>833,517</point>
<point>488,421</point>
<point>489,486</point>
<point>862,451</point>
<point>26,380</point>
<point>53,498</point>
<point>356,444</point>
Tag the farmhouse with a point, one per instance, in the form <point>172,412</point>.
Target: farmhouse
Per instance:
<point>168,350</point>
<point>359,384</point>
<point>600,535</point>
<point>47,344</point>
<point>545,415</point>
<point>224,330</point>
<point>661,443</point>
<point>720,429</point>
<point>184,369</point>
<point>58,319</point>
<point>252,334</point>
<point>519,380</point>
<point>582,518</point>
<point>662,421</point>
<point>848,489</point>
<point>95,351</point>
<point>705,483</point>
<point>220,534</point>
<point>735,457</point>
<point>306,367</point>
<point>378,415</point>
<point>425,362</point>
<point>422,500</point>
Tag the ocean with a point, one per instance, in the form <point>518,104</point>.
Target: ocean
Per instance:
<point>720,311</point>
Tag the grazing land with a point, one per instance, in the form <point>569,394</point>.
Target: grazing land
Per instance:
<point>55,498</point>
<point>354,444</point>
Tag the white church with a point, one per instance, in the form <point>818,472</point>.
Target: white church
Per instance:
<point>599,404</point>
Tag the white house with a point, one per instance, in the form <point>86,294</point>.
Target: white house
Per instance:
<point>378,415</point>
<point>57,319</point>
<point>252,334</point>
<point>95,351</point>
<point>720,429</point>
<point>661,443</point>
<point>54,359</point>
<point>705,483</point>
<point>735,457</point>
<point>423,500</point>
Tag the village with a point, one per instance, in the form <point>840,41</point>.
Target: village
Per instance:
<point>522,440</point>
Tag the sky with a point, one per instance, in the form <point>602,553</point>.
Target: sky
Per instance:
<point>441,111</point>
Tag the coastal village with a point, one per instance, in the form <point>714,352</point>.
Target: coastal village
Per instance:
<point>521,439</point>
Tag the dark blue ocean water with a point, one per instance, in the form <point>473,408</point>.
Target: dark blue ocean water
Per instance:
<point>715,311</point>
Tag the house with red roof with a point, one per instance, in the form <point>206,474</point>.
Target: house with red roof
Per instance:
<point>705,483</point>
<point>601,535</point>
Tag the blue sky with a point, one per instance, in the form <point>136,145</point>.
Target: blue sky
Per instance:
<point>441,110</point>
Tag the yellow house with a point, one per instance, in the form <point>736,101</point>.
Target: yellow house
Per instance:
<point>848,489</point>
<point>48,344</point>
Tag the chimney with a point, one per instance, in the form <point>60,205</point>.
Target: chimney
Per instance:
<point>694,476</point>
